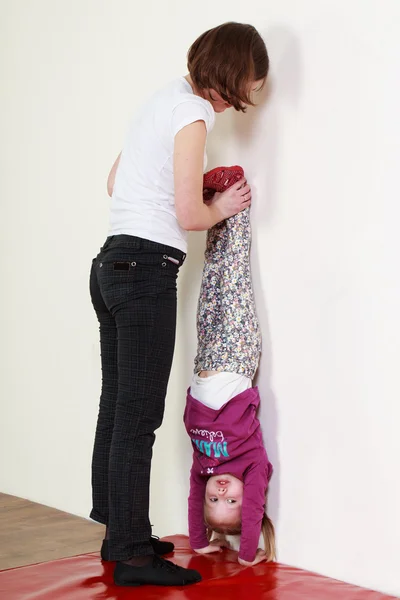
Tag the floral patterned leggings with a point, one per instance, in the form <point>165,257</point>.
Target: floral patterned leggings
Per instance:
<point>228,331</point>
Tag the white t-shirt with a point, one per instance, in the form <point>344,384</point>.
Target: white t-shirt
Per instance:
<point>143,202</point>
<point>216,390</point>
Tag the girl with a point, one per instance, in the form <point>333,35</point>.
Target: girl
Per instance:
<point>231,470</point>
<point>156,187</point>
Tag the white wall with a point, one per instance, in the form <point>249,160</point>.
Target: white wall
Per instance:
<point>321,155</point>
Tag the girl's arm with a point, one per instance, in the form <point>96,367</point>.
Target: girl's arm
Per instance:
<point>197,528</point>
<point>111,177</point>
<point>253,508</point>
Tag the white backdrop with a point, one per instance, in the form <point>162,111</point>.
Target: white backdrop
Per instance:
<point>322,155</point>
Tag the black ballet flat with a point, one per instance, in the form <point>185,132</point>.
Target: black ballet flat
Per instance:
<point>158,572</point>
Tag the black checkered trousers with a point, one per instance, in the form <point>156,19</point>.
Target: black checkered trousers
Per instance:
<point>133,291</point>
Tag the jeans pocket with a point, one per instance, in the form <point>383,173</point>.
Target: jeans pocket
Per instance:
<point>126,275</point>
<point>169,275</point>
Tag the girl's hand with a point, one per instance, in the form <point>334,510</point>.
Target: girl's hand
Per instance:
<point>214,546</point>
<point>260,557</point>
<point>233,200</point>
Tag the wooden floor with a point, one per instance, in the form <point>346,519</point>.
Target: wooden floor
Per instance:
<point>32,533</point>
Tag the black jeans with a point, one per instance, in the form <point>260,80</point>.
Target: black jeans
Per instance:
<point>133,290</point>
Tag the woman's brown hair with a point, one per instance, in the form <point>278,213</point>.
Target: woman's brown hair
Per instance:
<point>228,59</point>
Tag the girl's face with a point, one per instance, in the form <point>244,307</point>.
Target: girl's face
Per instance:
<point>224,496</point>
<point>220,105</point>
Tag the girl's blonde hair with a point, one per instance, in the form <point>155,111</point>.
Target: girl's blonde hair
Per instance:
<point>267,529</point>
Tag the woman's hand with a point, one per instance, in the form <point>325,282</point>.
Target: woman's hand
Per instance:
<point>260,557</point>
<point>233,200</point>
<point>214,546</point>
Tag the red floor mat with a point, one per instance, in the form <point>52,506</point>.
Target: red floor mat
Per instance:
<point>86,578</point>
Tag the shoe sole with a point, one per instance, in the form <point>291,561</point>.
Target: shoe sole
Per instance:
<point>128,584</point>
<point>136,584</point>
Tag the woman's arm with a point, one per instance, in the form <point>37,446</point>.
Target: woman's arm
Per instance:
<point>191,212</point>
<point>111,177</point>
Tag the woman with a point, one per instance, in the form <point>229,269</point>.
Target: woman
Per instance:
<point>156,185</point>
